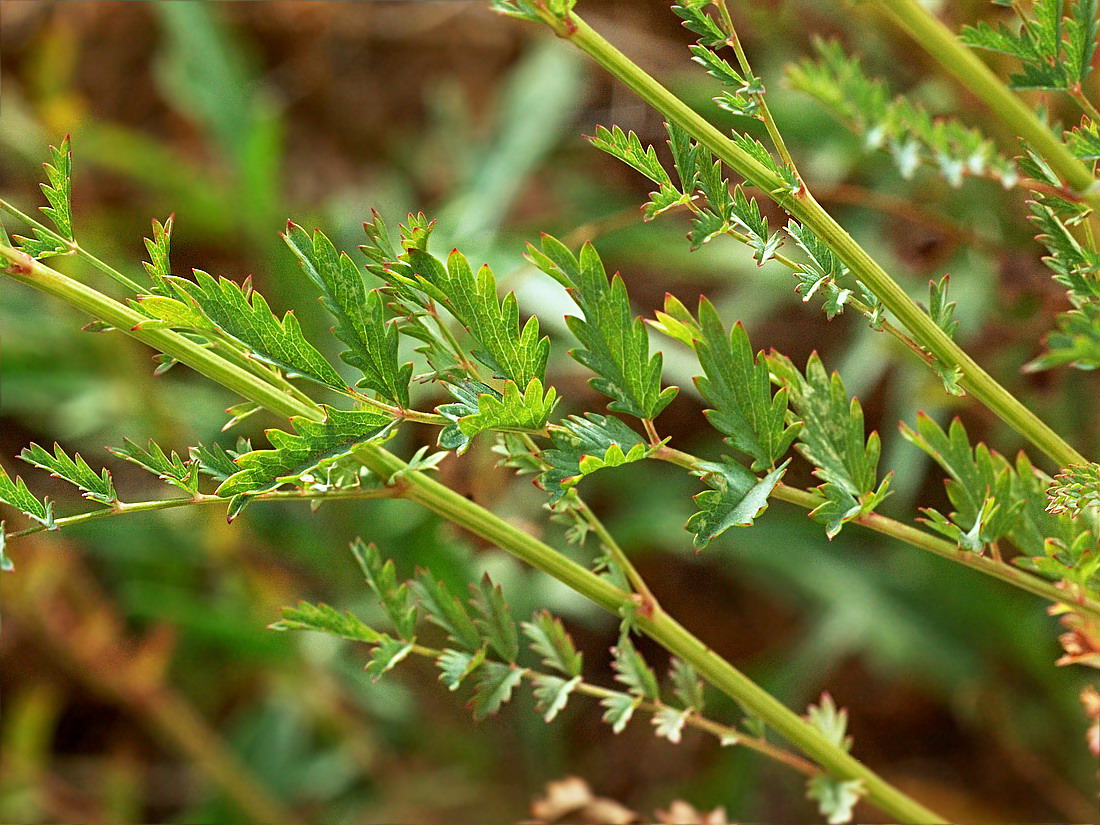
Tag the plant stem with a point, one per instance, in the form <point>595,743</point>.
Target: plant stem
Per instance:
<point>972,72</point>
<point>76,248</point>
<point>456,508</point>
<point>802,206</point>
<point>726,733</point>
<point>765,113</point>
<point>1086,105</point>
<point>919,539</point>
<point>123,508</point>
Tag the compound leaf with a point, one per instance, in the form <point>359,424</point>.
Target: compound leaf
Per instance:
<point>614,342</point>
<point>169,468</point>
<point>321,617</point>
<point>382,578</point>
<point>550,640</point>
<point>444,609</point>
<point>494,619</point>
<point>94,486</point>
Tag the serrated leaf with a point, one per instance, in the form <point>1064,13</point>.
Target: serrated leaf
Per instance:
<point>687,687</point>
<point>493,618</point>
<point>444,609</point>
<point>737,386</point>
<point>973,539</point>
<point>831,721</point>
<point>694,18</point>
<point>58,192</point>
<point>628,148</point>
<point>614,342</point>
<point>455,666</point>
<point>1084,140</point>
<point>389,653</point>
<point>159,247</point>
<point>382,578</point>
<point>467,393</point>
<point>494,688</point>
<point>15,494</point>
<point>507,350</point>
<point>510,411</point>
<point>550,641</point>
<point>736,498</point>
<point>169,468</point>
<point>295,453</point>
<point>1075,489</point>
<point>552,694</point>
<point>1075,342</point>
<point>360,315</point>
<point>631,669</point>
<point>942,310</point>
<point>976,475</point>
<point>325,619</point>
<point>248,319</point>
<point>619,707</point>
<point>94,486</point>
<point>583,446</point>
<point>836,798</point>
<point>213,461</point>
<point>759,153</point>
<point>824,273</point>
<point>669,723</point>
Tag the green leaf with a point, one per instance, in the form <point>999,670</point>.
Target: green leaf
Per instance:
<point>687,687</point>
<point>836,798</point>
<point>823,273</point>
<point>1075,489</point>
<point>382,578</point>
<point>584,445</point>
<point>95,486</point>
<point>695,19</point>
<point>669,723</point>
<point>976,538</point>
<point>511,412</point>
<point>942,310</point>
<point>493,619</point>
<point>977,476</point>
<point>58,192</point>
<point>494,688</point>
<point>831,721</point>
<point>736,498</point>
<point>455,666</point>
<point>169,468</point>
<point>312,443</point>
<point>619,707</point>
<point>468,393</point>
<point>832,439</point>
<point>550,641</point>
<point>756,149</point>
<point>159,265</point>
<point>737,386</point>
<point>325,619</point>
<point>246,317</point>
<point>386,656</point>
<point>1075,341</point>
<point>631,669</point>
<point>15,494</point>
<point>214,461</point>
<point>614,342</point>
<point>628,148</point>
<point>444,609</point>
<point>552,694</point>
<point>360,315</point>
<point>507,350</point>
<point>1084,140</point>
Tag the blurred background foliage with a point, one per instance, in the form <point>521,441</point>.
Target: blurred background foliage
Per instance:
<point>139,681</point>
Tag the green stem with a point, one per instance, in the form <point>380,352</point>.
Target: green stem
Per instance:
<point>972,72</point>
<point>802,206</point>
<point>123,508</point>
<point>1086,105</point>
<point>456,508</point>
<point>765,113</point>
<point>919,539</point>
<point>76,248</point>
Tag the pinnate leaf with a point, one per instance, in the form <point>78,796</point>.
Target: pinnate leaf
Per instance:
<point>444,609</point>
<point>325,619</point>
<point>550,641</point>
<point>493,618</point>
<point>614,342</point>
<point>94,486</point>
<point>382,578</point>
<point>167,467</point>
<point>15,494</point>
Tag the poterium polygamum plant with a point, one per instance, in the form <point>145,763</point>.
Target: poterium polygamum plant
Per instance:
<point>1011,521</point>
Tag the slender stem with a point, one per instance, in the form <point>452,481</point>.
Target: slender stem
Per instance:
<point>919,539</point>
<point>1086,105</point>
<point>456,508</point>
<point>804,208</point>
<point>765,113</point>
<point>123,508</point>
<point>76,248</point>
<point>972,72</point>
<point>728,734</point>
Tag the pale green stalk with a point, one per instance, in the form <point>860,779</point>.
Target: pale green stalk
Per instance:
<point>802,206</point>
<point>455,508</point>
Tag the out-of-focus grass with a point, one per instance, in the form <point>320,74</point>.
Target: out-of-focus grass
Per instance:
<point>141,670</point>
